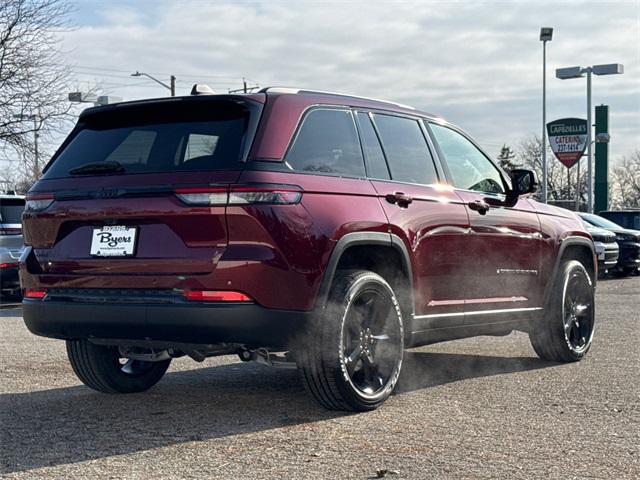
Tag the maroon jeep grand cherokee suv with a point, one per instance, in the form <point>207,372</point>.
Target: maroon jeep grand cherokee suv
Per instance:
<point>340,230</point>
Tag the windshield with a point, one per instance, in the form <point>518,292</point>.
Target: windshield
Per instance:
<point>599,221</point>
<point>156,138</point>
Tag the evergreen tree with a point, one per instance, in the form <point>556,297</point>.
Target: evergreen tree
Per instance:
<point>506,158</point>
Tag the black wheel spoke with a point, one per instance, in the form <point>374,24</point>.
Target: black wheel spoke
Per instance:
<point>351,361</point>
<point>380,338</point>
<point>369,369</point>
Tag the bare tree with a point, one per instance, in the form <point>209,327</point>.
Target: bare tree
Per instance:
<point>33,81</point>
<point>561,182</point>
<point>626,182</point>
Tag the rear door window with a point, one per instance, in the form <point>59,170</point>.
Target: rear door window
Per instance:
<point>159,138</point>
<point>406,149</point>
<point>327,142</point>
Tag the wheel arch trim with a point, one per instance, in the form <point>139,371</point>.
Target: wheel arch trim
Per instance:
<point>572,241</point>
<point>362,239</point>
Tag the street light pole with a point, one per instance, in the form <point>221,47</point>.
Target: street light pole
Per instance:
<point>589,159</point>
<point>546,34</point>
<point>171,88</point>
<point>35,147</point>
<point>579,72</point>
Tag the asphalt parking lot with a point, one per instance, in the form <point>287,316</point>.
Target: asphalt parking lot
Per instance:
<point>477,408</point>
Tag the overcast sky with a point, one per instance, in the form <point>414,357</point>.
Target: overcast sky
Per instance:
<point>478,64</point>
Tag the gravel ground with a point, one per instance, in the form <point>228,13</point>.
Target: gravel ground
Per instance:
<point>476,408</point>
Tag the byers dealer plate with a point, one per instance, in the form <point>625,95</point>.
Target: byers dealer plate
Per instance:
<point>113,241</point>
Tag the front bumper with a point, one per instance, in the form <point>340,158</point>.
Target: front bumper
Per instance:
<point>629,254</point>
<point>187,322</point>
<point>607,254</point>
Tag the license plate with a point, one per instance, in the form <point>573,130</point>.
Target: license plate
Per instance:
<point>113,241</point>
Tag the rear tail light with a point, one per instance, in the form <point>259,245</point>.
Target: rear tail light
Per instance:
<point>203,196</point>
<point>37,202</point>
<point>34,293</point>
<point>266,194</point>
<point>216,296</point>
<point>8,265</point>
<point>276,194</point>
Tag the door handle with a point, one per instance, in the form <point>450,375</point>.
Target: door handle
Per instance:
<point>399,198</point>
<point>479,206</point>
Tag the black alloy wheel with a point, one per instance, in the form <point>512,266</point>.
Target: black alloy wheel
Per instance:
<point>352,355</point>
<point>565,333</point>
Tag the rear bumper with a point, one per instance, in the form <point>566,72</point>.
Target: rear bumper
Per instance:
<point>249,324</point>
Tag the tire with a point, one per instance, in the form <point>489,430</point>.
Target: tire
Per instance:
<point>100,368</point>
<point>352,355</point>
<point>565,333</point>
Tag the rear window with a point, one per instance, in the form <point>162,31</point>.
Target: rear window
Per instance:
<point>159,138</point>
<point>11,210</point>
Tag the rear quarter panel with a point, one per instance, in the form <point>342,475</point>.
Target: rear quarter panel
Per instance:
<point>298,239</point>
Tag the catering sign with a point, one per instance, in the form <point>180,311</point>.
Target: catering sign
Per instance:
<point>568,139</point>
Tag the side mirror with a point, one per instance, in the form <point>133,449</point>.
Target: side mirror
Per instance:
<point>523,182</point>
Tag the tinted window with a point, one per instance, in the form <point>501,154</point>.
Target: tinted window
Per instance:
<point>11,210</point>
<point>135,148</point>
<point>626,219</point>
<point>406,150</point>
<point>327,142</point>
<point>158,138</point>
<point>376,164</point>
<point>470,169</point>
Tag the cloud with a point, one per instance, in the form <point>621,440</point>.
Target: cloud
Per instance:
<point>476,63</point>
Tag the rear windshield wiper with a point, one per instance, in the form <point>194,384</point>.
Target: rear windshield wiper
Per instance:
<point>98,168</point>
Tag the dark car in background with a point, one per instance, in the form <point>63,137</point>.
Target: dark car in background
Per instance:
<point>11,244</point>
<point>606,247</point>
<point>625,218</point>
<point>628,241</point>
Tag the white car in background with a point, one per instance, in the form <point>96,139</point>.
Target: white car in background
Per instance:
<point>11,244</point>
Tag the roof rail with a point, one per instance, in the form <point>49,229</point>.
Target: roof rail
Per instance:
<point>291,90</point>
